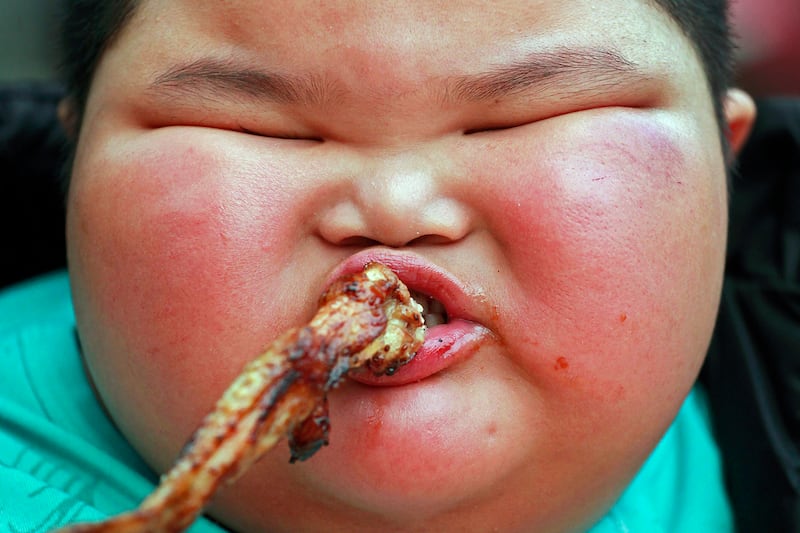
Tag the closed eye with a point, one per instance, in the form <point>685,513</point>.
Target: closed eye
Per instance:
<point>288,137</point>
<point>487,129</point>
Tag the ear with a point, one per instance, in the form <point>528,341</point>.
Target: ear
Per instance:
<point>68,116</point>
<point>740,113</point>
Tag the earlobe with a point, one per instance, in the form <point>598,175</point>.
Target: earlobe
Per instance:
<point>68,116</point>
<point>740,113</point>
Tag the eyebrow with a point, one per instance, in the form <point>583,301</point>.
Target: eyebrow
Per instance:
<point>569,70</point>
<point>213,78</point>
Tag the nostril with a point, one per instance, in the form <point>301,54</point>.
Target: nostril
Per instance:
<point>361,242</point>
<point>432,239</point>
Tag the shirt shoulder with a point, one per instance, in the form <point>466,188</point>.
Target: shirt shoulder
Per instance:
<point>61,459</point>
<point>35,316</point>
<point>681,486</point>
<point>40,300</point>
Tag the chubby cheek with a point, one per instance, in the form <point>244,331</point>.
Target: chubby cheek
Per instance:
<point>616,240</point>
<point>175,259</point>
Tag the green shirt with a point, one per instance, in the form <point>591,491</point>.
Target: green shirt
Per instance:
<point>62,461</point>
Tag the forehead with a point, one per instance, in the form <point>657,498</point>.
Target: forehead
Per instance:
<point>419,34</point>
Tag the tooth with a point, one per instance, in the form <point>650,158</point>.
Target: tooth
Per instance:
<point>432,309</point>
<point>435,306</point>
<point>421,299</point>
<point>433,319</point>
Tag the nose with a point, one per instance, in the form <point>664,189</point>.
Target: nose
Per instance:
<point>397,200</point>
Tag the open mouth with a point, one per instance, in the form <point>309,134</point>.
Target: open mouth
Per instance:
<point>433,311</point>
<point>452,335</point>
<point>447,341</point>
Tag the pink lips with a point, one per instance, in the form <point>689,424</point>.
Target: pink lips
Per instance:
<point>445,344</point>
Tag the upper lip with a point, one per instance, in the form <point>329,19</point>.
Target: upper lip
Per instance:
<point>460,300</point>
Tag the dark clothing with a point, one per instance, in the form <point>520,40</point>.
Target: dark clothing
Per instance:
<point>753,368</point>
<point>31,199</point>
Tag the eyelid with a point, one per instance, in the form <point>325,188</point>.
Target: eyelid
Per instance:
<point>259,123</point>
<point>287,137</point>
<point>553,110</point>
<point>500,125</point>
<point>500,118</point>
<point>489,129</point>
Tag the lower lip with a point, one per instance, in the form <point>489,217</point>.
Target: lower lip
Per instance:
<point>444,346</point>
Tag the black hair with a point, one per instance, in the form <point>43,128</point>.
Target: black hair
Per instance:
<point>87,29</point>
<point>707,25</point>
<point>89,26</point>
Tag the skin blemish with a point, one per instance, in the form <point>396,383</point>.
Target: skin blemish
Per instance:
<point>623,317</point>
<point>371,433</point>
<point>561,364</point>
<point>375,420</point>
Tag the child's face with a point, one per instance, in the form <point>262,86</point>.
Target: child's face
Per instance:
<point>550,170</point>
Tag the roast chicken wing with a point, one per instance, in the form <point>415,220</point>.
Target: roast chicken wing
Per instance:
<point>367,319</point>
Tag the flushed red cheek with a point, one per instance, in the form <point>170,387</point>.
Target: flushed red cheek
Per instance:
<point>600,225</point>
<point>180,258</point>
